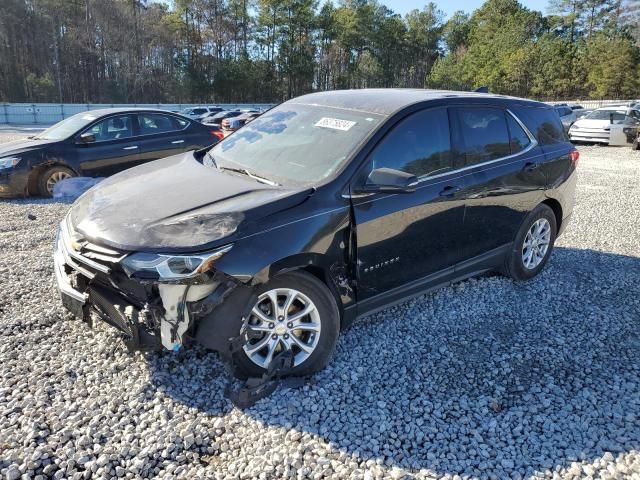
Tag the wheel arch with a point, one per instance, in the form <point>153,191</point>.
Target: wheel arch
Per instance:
<point>557,210</point>
<point>333,276</point>
<point>37,170</point>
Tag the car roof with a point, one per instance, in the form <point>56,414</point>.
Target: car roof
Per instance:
<point>386,101</point>
<point>618,108</point>
<point>110,111</point>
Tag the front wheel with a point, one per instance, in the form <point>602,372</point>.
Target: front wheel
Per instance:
<point>51,176</point>
<point>533,244</point>
<point>296,312</point>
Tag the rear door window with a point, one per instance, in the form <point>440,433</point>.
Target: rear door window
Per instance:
<point>484,133</point>
<point>181,123</point>
<point>420,144</point>
<point>151,123</point>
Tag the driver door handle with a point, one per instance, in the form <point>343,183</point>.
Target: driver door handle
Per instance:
<point>450,190</point>
<point>530,166</point>
<point>177,141</point>
<point>133,147</point>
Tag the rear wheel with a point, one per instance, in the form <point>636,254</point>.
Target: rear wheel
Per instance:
<point>51,176</point>
<point>296,312</point>
<point>533,244</point>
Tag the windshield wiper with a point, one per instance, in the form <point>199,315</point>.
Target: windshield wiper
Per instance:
<point>246,172</point>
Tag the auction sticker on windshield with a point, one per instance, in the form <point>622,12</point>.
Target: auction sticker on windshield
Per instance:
<point>335,123</point>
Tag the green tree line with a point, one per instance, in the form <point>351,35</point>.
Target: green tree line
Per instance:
<point>116,51</point>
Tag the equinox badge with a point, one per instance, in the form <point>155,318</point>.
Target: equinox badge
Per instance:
<point>381,264</point>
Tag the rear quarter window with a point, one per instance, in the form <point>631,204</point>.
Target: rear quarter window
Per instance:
<point>543,123</point>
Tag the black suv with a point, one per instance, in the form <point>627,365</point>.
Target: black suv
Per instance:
<point>327,207</point>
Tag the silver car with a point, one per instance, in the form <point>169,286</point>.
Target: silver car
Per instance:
<point>613,125</point>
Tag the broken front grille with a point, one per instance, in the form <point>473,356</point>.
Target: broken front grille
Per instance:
<point>85,257</point>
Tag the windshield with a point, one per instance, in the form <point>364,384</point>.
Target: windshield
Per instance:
<point>296,144</point>
<point>605,115</point>
<point>67,127</point>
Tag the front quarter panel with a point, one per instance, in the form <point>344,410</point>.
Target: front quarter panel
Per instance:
<point>313,235</point>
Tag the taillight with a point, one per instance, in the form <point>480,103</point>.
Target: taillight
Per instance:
<point>218,134</point>
<point>574,156</point>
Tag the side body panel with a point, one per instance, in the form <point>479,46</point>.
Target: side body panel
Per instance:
<point>498,197</point>
<point>403,237</point>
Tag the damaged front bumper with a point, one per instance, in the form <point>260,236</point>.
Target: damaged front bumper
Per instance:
<point>149,314</point>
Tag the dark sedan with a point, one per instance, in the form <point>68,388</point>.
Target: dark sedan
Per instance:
<point>97,143</point>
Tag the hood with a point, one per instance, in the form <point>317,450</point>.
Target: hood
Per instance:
<point>588,123</point>
<point>17,147</point>
<point>176,204</point>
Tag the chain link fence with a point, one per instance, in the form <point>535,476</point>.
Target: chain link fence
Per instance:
<point>50,113</point>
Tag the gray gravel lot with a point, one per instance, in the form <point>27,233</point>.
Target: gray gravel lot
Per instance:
<point>486,379</point>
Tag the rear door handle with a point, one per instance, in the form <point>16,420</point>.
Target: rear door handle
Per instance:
<point>177,141</point>
<point>450,191</point>
<point>530,166</point>
<point>133,147</point>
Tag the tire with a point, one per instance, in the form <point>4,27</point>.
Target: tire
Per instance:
<point>326,314</point>
<point>636,144</point>
<point>515,266</point>
<point>50,177</point>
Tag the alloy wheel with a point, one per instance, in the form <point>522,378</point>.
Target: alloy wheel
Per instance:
<point>54,178</point>
<point>536,243</point>
<point>287,320</point>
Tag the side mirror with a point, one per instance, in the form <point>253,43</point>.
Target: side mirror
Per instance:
<point>390,180</point>
<point>86,138</point>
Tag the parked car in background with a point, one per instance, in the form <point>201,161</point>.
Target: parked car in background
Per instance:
<point>583,113</point>
<point>325,208</point>
<point>246,117</point>
<point>567,116</point>
<point>216,118</point>
<point>232,124</point>
<point>611,125</point>
<point>97,143</point>
<point>198,113</point>
<point>579,110</point>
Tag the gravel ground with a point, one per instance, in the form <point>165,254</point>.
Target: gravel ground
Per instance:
<point>486,379</point>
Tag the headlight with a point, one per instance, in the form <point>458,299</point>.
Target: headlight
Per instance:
<point>171,267</point>
<point>9,162</point>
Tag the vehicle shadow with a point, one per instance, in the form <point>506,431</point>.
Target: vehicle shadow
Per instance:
<point>488,378</point>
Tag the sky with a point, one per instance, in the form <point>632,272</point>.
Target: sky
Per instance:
<point>450,6</point>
